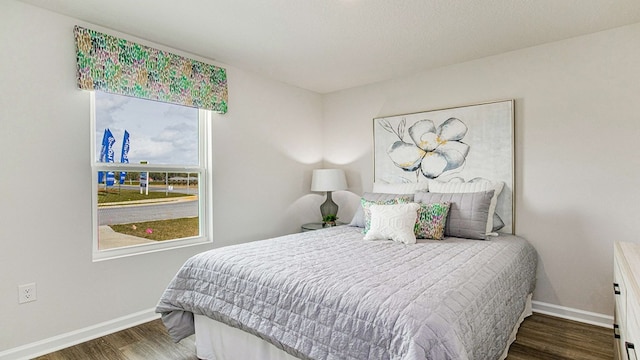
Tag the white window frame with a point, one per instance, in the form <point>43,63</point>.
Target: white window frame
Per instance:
<point>205,186</point>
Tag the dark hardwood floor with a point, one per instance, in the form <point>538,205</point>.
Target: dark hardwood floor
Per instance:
<point>148,341</point>
<point>540,337</point>
<point>547,337</point>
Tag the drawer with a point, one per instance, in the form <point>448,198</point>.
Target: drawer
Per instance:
<point>617,350</point>
<point>620,296</point>
<point>629,351</point>
<point>618,343</point>
<point>626,274</point>
<point>632,328</point>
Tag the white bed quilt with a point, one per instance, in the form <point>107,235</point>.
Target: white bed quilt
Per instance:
<point>328,294</point>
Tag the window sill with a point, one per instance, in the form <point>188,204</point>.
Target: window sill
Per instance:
<point>146,248</point>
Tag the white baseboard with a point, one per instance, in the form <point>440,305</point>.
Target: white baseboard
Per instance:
<point>573,314</point>
<point>46,346</point>
<point>62,341</point>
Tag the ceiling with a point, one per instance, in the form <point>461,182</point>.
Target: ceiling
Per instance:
<point>330,45</point>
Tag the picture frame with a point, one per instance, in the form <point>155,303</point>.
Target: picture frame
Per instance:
<point>464,143</point>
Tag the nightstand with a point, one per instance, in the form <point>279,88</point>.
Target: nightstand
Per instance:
<point>316,226</point>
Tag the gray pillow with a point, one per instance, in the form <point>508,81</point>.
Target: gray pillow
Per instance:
<point>358,218</point>
<point>497,222</point>
<point>468,214</point>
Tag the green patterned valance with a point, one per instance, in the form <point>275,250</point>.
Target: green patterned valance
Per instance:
<point>118,66</point>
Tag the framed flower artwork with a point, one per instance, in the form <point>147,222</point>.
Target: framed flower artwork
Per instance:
<point>461,143</point>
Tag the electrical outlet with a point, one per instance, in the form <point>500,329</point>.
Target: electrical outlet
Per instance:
<point>27,293</point>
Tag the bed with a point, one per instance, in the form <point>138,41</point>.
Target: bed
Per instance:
<point>329,294</point>
<point>421,272</point>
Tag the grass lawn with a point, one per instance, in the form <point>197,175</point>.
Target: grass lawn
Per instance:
<point>122,195</point>
<point>160,229</point>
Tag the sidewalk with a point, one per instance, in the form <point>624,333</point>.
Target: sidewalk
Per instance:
<point>149,201</point>
<point>110,239</point>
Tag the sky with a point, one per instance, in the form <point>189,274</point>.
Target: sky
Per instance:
<point>159,133</point>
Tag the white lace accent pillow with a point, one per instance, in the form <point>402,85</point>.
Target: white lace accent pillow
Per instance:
<point>394,222</point>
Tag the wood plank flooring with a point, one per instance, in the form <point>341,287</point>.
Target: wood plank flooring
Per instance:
<point>547,337</point>
<point>540,337</point>
<point>148,341</point>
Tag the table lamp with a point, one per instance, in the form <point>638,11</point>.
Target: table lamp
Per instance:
<point>328,180</point>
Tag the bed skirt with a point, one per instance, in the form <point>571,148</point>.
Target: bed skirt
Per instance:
<point>218,341</point>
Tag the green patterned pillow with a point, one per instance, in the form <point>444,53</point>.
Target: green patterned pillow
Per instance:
<point>431,221</point>
<point>366,204</point>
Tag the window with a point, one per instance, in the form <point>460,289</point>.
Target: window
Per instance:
<point>150,175</point>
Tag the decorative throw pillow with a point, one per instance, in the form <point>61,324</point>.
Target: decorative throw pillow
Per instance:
<point>458,185</point>
<point>394,222</point>
<point>431,222</point>
<point>358,217</point>
<point>366,205</point>
<point>468,212</point>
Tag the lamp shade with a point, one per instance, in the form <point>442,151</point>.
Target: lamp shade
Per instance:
<point>328,180</point>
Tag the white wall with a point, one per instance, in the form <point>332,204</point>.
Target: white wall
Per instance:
<point>264,150</point>
<point>577,164</point>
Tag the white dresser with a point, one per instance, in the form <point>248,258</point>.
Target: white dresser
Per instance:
<point>626,287</point>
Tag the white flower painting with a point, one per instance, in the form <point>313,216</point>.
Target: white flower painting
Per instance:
<point>467,142</point>
<point>429,151</point>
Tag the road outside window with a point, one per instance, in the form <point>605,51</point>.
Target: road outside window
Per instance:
<point>149,175</point>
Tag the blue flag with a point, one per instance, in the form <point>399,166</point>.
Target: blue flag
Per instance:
<point>110,141</point>
<point>103,154</point>
<point>124,156</point>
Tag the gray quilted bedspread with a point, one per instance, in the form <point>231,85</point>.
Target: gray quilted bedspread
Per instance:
<point>328,294</point>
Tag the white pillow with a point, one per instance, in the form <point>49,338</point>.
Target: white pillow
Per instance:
<point>395,222</point>
<point>458,185</point>
<point>399,188</point>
